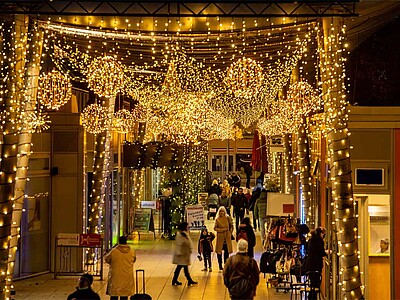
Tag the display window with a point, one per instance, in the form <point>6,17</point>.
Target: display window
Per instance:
<point>379,226</point>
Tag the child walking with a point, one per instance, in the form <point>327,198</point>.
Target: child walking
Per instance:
<point>205,247</point>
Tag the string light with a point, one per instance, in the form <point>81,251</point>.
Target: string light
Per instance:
<point>55,89</point>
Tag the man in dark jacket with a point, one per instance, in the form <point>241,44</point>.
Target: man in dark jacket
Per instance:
<point>239,203</point>
<point>241,274</point>
<point>84,290</point>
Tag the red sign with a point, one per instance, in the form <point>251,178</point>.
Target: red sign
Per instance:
<point>288,208</point>
<point>90,240</point>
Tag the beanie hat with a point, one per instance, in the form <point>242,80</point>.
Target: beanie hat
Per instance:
<point>242,245</point>
<point>87,277</point>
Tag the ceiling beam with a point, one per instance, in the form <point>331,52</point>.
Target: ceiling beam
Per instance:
<point>183,8</point>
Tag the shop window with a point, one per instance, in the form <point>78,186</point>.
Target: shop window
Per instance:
<point>379,226</point>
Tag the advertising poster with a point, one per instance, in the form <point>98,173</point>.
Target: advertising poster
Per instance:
<point>195,217</point>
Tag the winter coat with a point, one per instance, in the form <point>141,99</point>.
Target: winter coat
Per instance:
<point>226,189</point>
<point>240,266</point>
<point>239,202</point>
<point>251,237</point>
<point>260,208</point>
<point>215,189</point>
<point>183,249</point>
<point>254,196</point>
<point>224,228</point>
<point>315,254</point>
<point>120,275</point>
<point>236,181</point>
<point>205,243</point>
<point>84,294</point>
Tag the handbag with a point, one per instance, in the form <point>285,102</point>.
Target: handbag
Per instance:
<point>290,228</point>
<point>282,236</point>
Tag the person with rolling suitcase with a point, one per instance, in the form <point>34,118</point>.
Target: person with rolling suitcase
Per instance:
<point>120,275</point>
<point>140,296</point>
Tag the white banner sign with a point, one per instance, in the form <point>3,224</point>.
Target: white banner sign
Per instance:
<point>195,217</point>
<point>148,204</point>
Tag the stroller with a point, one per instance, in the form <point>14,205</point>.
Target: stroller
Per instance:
<point>212,206</point>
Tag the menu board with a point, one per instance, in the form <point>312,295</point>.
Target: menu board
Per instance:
<point>143,220</point>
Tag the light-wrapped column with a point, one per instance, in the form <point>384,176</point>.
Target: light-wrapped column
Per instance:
<point>35,42</point>
<point>287,150</point>
<point>15,41</point>
<point>332,48</point>
<point>303,156</point>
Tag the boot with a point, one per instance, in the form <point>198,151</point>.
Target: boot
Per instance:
<point>219,257</point>
<point>175,279</point>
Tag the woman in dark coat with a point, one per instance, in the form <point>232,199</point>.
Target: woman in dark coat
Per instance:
<point>314,262</point>
<point>246,227</point>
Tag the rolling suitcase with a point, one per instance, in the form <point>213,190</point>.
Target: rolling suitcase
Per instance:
<point>142,296</point>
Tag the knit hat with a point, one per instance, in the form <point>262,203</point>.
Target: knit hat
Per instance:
<point>87,277</point>
<point>242,245</point>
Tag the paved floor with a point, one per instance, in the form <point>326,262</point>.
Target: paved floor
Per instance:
<point>155,256</point>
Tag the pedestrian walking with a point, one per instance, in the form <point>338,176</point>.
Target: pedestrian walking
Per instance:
<point>205,247</point>
<point>239,203</point>
<point>224,228</point>
<point>246,232</point>
<point>260,212</point>
<point>120,275</point>
<point>241,274</point>
<point>182,251</point>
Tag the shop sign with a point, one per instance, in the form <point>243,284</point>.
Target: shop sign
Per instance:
<point>90,240</point>
<point>68,239</point>
<point>148,204</point>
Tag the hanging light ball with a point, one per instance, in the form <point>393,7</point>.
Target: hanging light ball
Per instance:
<point>303,98</point>
<point>54,90</point>
<point>140,113</point>
<point>244,77</point>
<point>123,121</point>
<point>105,76</point>
<point>95,118</point>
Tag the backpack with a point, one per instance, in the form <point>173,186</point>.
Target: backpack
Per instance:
<point>242,234</point>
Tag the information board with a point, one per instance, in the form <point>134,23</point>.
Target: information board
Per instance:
<point>143,220</point>
<point>202,198</point>
<point>279,204</point>
<point>68,239</point>
<point>195,217</point>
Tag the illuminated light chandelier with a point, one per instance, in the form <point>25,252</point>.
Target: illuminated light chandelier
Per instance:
<point>36,122</point>
<point>123,121</point>
<point>54,90</point>
<point>95,118</point>
<point>244,78</point>
<point>105,76</point>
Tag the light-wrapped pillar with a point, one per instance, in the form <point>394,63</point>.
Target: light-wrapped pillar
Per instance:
<point>332,48</point>
<point>15,42</point>
<point>35,45</point>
